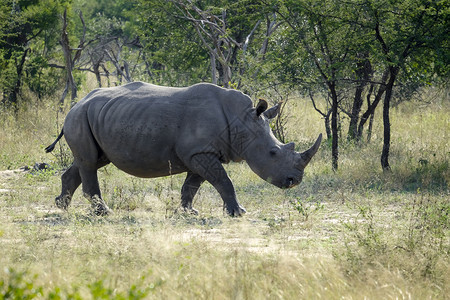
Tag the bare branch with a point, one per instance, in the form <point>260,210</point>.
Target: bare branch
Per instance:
<point>314,104</point>
<point>119,69</point>
<point>249,36</point>
<point>82,41</point>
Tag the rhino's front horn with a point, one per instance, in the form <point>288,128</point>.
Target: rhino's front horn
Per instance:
<point>305,157</point>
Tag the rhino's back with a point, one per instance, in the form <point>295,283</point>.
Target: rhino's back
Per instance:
<point>149,130</point>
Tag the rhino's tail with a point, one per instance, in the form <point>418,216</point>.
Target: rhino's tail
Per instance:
<point>52,146</point>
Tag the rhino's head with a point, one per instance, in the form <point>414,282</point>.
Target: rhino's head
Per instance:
<point>270,159</point>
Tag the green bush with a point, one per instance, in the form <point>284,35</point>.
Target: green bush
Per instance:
<point>20,285</point>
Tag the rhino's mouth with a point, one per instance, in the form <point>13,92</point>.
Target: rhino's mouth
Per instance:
<point>291,182</point>
<point>287,183</point>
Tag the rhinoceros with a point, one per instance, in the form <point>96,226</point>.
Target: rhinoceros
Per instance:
<point>152,131</point>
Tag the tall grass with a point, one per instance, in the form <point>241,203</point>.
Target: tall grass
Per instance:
<point>356,233</point>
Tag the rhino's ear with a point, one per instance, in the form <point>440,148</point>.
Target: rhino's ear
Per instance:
<point>273,111</point>
<point>261,107</point>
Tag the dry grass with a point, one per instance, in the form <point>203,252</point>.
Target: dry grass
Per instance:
<point>353,234</point>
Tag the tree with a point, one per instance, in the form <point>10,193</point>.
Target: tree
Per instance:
<point>362,46</point>
<point>172,50</point>
<point>223,32</point>
<point>70,60</point>
<point>407,35</point>
<point>112,38</point>
<point>325,51</point>
<point>24,24</point>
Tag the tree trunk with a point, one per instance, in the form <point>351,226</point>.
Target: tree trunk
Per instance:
<point>106,74</point>
<point>63,96</point>
<point>334,128</point>
<point>371,108</point>
<point>68,60</point>
<point>386,133</point>
<point>13,95</point>
<point>226,75</point>
<point>371,118</point>
<point>213,69</point>
<point>363,74</point>
<point>96,67</point>
<point>354,117</point>
<point>393,71</point>
<point>369,130</point>
<point>327,126</point>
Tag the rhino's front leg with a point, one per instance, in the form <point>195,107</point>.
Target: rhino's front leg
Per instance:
<point>188,191</point>
<point>208,166</point>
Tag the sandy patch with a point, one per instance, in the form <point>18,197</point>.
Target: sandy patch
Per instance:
<point>7,174</point>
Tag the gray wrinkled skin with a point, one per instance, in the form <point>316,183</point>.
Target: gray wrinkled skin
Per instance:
<point>153,131</point>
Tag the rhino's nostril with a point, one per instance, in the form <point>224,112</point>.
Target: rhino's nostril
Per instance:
<point>290,181</point>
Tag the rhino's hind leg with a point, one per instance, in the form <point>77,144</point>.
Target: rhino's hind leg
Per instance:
<point>99,206</point>
<point>91,191</point>
<point>70,180</point>
<point>188,191</point>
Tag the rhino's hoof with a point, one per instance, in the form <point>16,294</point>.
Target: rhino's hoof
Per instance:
<point>99,206</point>
<point>102,211</point>
<point>237,211</point>
<point>62,202</point>
<point>190,210</point>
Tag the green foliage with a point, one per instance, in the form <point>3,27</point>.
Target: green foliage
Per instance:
<point>27,36</point>
<point>20,285</point>
<point>40,79</point>
<point>409,36</point>
<point>171,45</point>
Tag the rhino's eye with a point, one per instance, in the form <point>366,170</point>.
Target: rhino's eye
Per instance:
<point>273,152</point>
